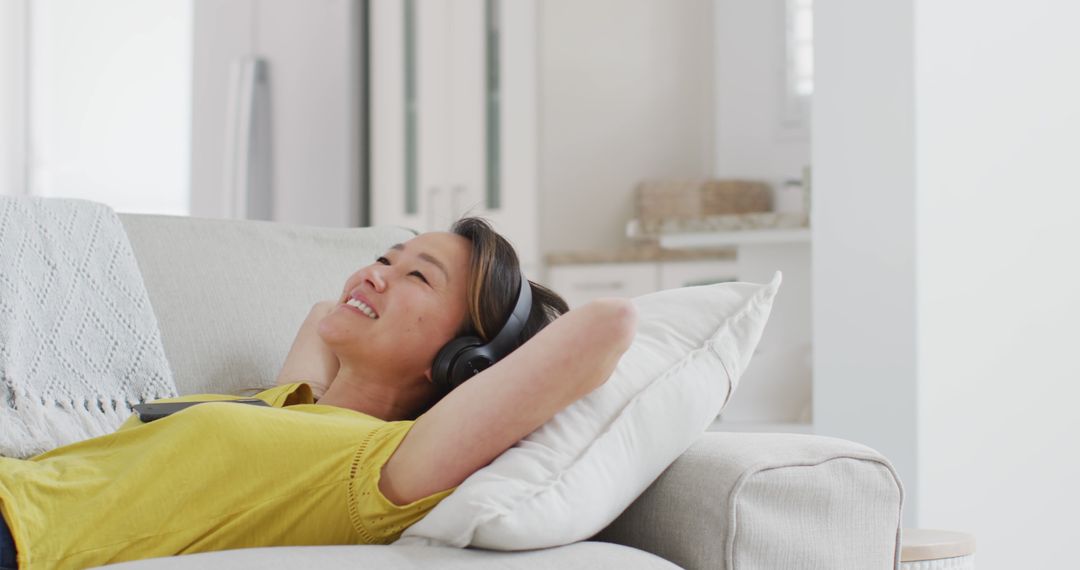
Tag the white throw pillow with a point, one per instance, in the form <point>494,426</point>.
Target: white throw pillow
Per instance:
<point>574,475</point>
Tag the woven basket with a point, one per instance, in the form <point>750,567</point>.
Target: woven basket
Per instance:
<point>664,200</point>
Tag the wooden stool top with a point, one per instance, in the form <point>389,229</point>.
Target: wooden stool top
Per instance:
<point>931,544</point>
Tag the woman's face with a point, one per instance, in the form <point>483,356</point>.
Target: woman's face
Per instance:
<point>418,292</point>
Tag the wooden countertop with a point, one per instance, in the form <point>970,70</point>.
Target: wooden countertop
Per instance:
<point>649,252</point>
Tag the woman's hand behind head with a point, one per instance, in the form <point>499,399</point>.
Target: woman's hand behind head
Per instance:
<point>310,359</point>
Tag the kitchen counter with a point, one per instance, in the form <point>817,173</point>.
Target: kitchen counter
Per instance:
<point>636,253</point>
<point>756,221</point>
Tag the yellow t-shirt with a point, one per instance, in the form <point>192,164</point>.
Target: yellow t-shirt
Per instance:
<point>210,477</point>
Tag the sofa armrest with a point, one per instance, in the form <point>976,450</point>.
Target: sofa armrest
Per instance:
<point>752,501</point>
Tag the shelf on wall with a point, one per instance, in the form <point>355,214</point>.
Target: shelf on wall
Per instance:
<point>733,238</point>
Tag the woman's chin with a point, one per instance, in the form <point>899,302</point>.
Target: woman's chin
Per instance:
<point>339,328</point>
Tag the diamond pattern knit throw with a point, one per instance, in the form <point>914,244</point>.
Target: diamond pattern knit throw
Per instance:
<point>79,344</point>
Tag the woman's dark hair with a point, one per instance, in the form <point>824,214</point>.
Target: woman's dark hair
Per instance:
<point>495,279</point>
<point>494,282</point>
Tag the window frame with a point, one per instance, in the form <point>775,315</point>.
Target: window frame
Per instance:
<point>14,101</point>
<point>795,108</point>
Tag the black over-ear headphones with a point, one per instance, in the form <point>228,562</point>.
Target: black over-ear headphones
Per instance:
<point>465,356</point>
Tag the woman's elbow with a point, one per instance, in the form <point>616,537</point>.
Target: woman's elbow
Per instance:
<point>619,320</point>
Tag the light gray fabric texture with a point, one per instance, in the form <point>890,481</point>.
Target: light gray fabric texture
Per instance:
<point>578,556</point>
<point>230,295</point>
<point>79,344</point>
<point>758,501</point>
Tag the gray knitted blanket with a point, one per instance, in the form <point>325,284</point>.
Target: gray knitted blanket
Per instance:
<point>79,344</point>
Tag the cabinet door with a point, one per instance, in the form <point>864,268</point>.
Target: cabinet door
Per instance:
<point>466,89</point>
<point>579,284</point>
<point>313,123</point>
<point>498,103</point>
<point>435,71</point>
<point>393,114</point>
<point>491,119</point>
<point>454,116</point>
<point>410,74</point>
<point>314,78</point>
<point>690,273</point>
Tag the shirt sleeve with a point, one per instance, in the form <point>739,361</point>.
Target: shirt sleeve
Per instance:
<point>287,395</point>
<point>376,518</point>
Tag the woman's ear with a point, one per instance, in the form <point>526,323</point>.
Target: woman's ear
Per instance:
<point>427,374</point>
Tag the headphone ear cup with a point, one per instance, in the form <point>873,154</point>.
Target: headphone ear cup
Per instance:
<point>442,368</point>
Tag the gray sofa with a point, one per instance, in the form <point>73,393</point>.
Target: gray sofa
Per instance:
<point>229,296</point>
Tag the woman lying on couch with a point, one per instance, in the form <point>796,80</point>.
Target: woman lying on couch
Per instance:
<point>393,432</point>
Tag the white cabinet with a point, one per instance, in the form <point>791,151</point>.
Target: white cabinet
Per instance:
<point>776,386</point>
<point>579,284</point>
<point>453,116</point>
<point>690,273</point>
<point>775,390</point>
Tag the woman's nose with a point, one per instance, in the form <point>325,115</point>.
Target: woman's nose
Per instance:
<point>376,279</point>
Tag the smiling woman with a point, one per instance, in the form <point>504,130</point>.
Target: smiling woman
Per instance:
<point>421,305</point>
<point>372,349</point>
<point>394,317</point>
<point>383,446</point>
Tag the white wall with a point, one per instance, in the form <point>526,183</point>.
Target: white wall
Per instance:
<point>749,69</point>
<point>998,142</point>
<point>945,158</point>
<point>863,228</point>
<point>625,88</point>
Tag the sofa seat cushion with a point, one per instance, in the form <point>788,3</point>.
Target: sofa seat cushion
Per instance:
<point>593,555</point>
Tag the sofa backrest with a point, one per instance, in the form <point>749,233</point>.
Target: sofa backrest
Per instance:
<point>229,295</point>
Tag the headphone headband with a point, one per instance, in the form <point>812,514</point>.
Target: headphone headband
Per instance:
<point>464,357</point>
<point>506,340</point>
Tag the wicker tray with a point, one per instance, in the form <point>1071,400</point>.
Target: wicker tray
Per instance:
<point>661,200</point>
